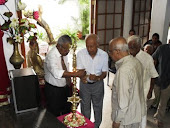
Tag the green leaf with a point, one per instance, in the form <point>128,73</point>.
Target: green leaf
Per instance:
<point>32,25</point>
<point>8,14</point>
<point>30,38</point>
<point>23,29</point>
<point>71,33</point>
<point>5,26</point>
<point>24,20</point>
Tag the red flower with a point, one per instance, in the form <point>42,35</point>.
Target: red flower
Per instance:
<point>36,15</point>
<point>2,2</point>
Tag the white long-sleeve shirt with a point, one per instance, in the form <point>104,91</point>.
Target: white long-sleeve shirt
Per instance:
<point>128,104</point>
<point>53,68</point>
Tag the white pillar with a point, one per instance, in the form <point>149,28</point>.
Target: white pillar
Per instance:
<point>160,19</point>
<point>127,17</point>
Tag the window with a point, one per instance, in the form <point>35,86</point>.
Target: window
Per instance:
<point>107,18</point>
<point>141,18</point>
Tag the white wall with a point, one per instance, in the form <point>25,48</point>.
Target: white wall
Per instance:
<point>127,17</point>
<point>166,23</point>
<point>160,19</point>
<point>58,16</point>
<point>8,48</point>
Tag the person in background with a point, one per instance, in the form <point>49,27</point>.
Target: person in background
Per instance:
<point>128,103</point>
<point>155,42</point>
<point>150,73</point>
<point>148,49</point>
<point>162,57</point>
<point>95,62</point>
<point>57,77</point>
<point>132,32</point>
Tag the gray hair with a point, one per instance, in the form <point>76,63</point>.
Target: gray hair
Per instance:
<point>121,47</point>
<point>64,39</point>
<point>135,38</point>
<point>97,37</point>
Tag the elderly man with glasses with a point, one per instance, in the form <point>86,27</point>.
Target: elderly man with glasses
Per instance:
<point>128,104</point>
<point>57,77</point>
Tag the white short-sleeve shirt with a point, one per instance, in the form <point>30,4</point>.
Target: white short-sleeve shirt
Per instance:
<point>95,65</point>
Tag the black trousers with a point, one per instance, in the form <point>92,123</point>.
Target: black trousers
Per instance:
<point>56,99</point>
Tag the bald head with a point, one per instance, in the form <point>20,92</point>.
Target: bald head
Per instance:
<point>134,44</point>
<point>92,41</point>
<point>149,49</point>
<point>118,48</point>
<point>92,36</point>
<point>119,43</point>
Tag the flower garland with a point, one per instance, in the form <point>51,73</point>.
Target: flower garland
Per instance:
<point>74,123</point>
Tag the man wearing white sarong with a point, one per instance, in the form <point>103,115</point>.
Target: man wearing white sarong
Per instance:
<point>134,43</point>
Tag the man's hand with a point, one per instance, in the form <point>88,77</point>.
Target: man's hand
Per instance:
<point>84,79</point>
<point>93,77</point>
<point>80,73</point>
<point>115,125</point>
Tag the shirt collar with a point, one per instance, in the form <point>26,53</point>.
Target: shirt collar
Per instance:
<point>139,53</point>
<point>98,52</point>
<point>57,52</point>
<point>120,62</point>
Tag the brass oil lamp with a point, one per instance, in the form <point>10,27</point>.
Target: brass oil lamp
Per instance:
<point>74,119</point>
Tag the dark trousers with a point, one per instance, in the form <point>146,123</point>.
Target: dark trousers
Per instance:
<point>56,98</point>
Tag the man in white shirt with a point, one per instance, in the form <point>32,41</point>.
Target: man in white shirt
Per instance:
<point>95,63</point>
<point>128,104</point>
<point>57,77</point>
<point>134,43</point>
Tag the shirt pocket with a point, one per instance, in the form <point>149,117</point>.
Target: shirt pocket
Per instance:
<point>98,69</point>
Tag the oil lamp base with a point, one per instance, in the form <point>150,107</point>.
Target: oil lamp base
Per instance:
<point>79,121</point>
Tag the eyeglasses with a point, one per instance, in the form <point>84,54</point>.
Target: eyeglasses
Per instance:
<point>66,48</point>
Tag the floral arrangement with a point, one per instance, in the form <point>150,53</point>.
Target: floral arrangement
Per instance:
<point>74,123</point>
<point>16,28</point>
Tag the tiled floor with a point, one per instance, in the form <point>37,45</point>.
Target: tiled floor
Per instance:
<point>151,123</point>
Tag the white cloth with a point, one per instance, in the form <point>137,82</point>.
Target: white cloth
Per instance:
<point>128,103</point>
<point>149,71</point>
<point>143,122</point>
<point>53,68</point>
<point>95,65</point>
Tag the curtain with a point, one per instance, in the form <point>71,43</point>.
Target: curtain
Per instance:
<point>5,89</point>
